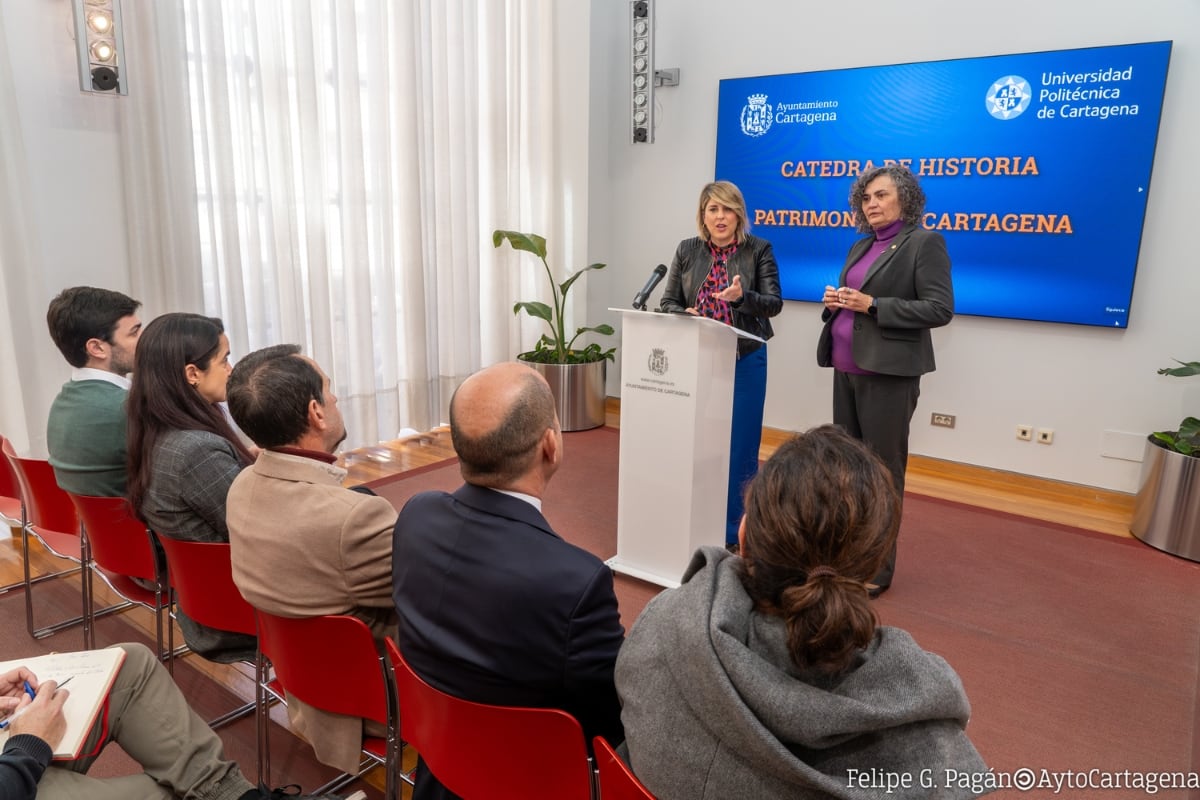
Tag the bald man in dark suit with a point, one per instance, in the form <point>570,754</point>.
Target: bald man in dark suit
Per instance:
<point>494,606</point>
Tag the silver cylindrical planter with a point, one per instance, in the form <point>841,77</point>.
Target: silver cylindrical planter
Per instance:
<point>579,390</point>
<point>1166,511</point>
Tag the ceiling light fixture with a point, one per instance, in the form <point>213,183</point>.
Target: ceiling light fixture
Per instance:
<point>100,47</point>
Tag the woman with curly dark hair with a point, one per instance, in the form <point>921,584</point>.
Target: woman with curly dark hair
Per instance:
<point>894,287</point>
<point>769,676</point>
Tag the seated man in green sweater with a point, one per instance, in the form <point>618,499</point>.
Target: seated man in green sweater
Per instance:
<point>97,331</point>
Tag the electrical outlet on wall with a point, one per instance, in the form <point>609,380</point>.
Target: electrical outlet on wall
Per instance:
<point>942,420</point>
<point>1025,433</point>
<point>1045,435</point>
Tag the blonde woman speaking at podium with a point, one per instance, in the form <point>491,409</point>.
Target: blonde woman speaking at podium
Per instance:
<point>729,275</point>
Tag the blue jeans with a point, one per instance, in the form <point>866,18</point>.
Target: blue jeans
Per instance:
<point>749,394</point>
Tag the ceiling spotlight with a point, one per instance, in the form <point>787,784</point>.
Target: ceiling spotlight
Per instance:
<point>102,50</point>
<point>99,21</point>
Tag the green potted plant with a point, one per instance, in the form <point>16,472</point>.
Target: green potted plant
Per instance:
<point>576,375</point>
<point>1166,511</point>
<point>1186,440</point>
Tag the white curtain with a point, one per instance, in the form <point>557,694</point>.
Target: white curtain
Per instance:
<point>348,162</point>
<point>15,247</point>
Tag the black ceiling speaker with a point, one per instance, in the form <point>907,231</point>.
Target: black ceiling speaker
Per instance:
<point>104,79</point>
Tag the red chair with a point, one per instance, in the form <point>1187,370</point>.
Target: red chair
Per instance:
<point>464,743</point>
<point>617,781</point>
<point>122,548</point>
<point>330,663</point>
<point>10,507</point>
<point>10,494</point>
<point>48,514</point>
<point>201,577</point>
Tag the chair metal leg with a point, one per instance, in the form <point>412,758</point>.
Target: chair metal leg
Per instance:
<point>28,584</point>
<point>38,579</point>
<point>173,651</point>
<point>21,584</point>
<point>234,715</point>
<point>86,616</point>
<point>395,747</point>
<point>262,720</point>
<point>345,779</point>
<point>42,633</point>
<point>171,632</point>
<point>163,599</point>
<point>35,632</point>
<point>89,630</point>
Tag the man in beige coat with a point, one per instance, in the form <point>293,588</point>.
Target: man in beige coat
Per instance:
<point>302,544</point>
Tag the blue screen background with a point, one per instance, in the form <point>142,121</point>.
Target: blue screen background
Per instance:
<point>1097,171</point>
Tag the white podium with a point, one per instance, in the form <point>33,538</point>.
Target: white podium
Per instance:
<point>676,412</point>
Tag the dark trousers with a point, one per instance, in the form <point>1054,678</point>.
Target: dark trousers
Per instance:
<point>878,409</point>
<point>745,435</point>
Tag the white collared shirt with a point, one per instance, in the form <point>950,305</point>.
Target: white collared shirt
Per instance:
<point>536,502</point>
<point>91,374</point>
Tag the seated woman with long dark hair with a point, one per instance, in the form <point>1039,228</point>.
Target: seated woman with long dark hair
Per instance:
<point>768,676</point>
<point>183,451</point>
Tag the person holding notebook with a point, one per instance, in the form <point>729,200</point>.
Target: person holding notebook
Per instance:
<point>146,715</point>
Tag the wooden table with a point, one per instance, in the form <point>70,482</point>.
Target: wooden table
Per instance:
<point>372,462</point>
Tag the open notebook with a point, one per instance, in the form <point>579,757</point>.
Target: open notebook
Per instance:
<point>92,673</point>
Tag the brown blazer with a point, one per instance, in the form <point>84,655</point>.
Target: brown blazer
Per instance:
<point>303,546</point>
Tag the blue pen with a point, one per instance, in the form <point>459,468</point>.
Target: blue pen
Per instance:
<point>32,695</point>
<point>29,691</point>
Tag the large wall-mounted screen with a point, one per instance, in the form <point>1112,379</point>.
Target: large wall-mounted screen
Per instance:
<point>1036,169</point>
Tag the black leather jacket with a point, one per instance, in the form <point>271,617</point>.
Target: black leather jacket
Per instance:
<point>754,261</point>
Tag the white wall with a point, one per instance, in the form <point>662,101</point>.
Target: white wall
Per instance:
<point>74,215</point>
<point>993,374</point>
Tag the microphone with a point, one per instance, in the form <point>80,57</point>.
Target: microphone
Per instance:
<point>639,299</point>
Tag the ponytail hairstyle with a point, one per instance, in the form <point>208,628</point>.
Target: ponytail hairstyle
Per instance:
<point>821,515</point>
<point>160,398</point>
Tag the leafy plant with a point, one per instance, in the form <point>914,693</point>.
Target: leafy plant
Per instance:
<point>1186,440</point>
<point>554,347</point>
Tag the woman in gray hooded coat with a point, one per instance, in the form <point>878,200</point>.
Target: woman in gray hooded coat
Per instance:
<point>768,676</point>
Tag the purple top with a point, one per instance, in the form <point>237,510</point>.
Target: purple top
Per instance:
<point>843,320</point>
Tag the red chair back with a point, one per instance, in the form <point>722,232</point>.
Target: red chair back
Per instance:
<point>466,745</point>
<point>120,542</point>
<point>617,781</point>
<point>47,507</point>
<point>202,575</point>
<point>10,487</point>
<point>328,662</point>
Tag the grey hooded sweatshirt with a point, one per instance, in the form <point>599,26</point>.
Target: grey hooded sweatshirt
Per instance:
<point>713,706</point>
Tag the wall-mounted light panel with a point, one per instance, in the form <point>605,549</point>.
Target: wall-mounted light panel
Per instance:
<point>100,46</point>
